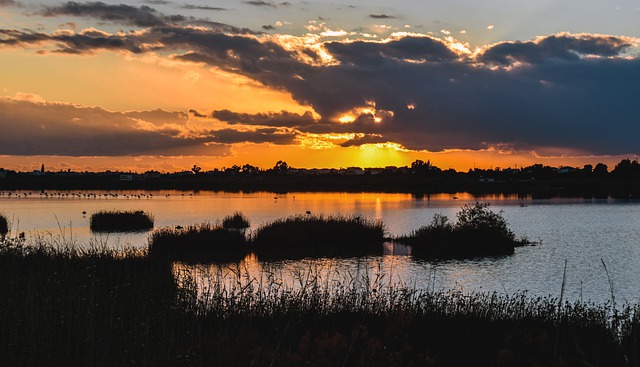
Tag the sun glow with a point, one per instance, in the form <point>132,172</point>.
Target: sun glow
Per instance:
<point>347,119</point>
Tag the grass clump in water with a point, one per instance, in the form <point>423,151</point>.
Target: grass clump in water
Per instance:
<point>237,221</point>
<point>319,236</point>
<point>120,221</point>
<point>198,243</point>
<point>477,232</point>
<point>4,225</point>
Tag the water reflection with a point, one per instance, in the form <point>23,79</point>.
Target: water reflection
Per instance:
<point>295,276</point>
<point>584,232</point>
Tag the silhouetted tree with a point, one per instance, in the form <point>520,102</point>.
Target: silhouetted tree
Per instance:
<point>281,166</point>
<point>601,169</point>
<point>418,163</point>
<point>626,169</point>
<point>232,170</point>
<point>422,167</point>
<point>249,169</point>
<point>196,169</point>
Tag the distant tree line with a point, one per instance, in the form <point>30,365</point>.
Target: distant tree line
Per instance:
<point>626,168</point>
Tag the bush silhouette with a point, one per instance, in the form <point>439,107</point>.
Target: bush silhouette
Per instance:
<point>236,221</point>
<point>477,232</point>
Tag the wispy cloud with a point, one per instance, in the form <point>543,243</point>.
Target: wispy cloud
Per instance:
<point>381,16</point>
<point>260,3</point>
<point>202,7</point>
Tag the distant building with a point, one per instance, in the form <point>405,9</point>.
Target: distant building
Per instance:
<point>566,169</point>
<point>355,171</point>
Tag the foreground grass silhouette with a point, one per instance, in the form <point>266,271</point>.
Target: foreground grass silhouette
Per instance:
<point>97,307</point>
<point>4,225</point>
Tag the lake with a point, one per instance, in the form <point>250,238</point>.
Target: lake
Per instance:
<point>588,234</point>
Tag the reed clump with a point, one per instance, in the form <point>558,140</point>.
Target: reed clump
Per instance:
<point>198,243</point>
<point>120,221</point>
<point>64,306</point>
<point>4,225</point>
<point>477,232</point>
<point>237,221</point>
<point>318,236</point>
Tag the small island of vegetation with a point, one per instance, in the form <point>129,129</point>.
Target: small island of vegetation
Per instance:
<point>478,232</point>
<point>198,243</point>
<point>319,236</point>
<point>120,221</point>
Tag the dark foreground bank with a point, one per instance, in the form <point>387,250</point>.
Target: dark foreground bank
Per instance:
<point>63,306</point>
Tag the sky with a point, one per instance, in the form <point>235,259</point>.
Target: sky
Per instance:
<point>163,84</point>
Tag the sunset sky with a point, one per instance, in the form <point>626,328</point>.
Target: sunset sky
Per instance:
<point>163,85</point>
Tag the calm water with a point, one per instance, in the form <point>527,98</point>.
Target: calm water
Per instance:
<point>585,233</point>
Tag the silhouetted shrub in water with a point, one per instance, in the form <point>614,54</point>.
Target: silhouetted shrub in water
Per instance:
<point>120,221</point>
<point>4,225</point>
<point>313,236</point>
<point>198,243</point>
<point>478,232</point>
<point>236,221</point>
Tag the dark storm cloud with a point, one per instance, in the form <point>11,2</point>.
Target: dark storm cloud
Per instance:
<point>409,48</point>
<point>580,103</point>
<point>366,139</point>
<point>143,16</point>
<point>577,95</point>
<point>281,119</point>
<point>381,16</point>
<point>268,27</point>
<point>561,47</point>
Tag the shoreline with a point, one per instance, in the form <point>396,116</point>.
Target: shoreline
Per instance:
<point>586,188</point>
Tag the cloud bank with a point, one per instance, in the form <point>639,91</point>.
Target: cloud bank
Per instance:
<point>573,92</point>
<point>31,126</point>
